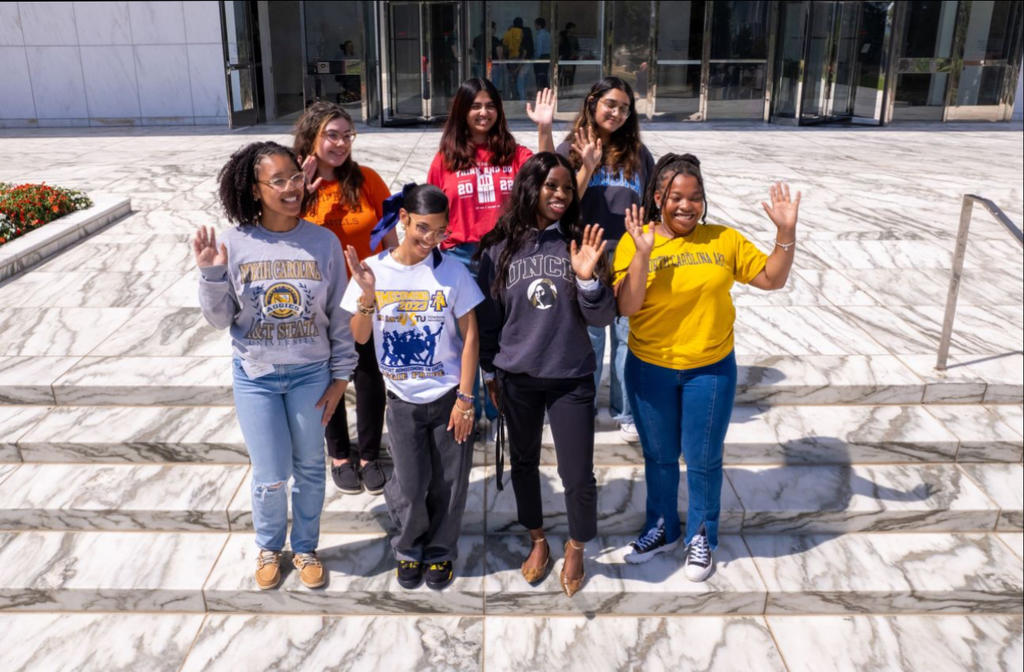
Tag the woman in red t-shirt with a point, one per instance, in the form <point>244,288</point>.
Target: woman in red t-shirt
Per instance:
<point>476,166</point>
<point>348,199</point>
<point>478,160</point>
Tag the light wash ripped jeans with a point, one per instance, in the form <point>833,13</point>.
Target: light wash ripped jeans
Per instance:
<point>285,439</point>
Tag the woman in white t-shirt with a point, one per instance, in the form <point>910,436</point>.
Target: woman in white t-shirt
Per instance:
<point>418,305</point>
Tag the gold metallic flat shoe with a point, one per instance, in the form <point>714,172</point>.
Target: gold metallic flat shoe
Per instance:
<point>535,574</point>
<point>570,586</point>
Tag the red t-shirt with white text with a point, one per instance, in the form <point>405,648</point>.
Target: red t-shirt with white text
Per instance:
<point>475,195</point>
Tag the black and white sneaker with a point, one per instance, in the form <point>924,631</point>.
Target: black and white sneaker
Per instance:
<point>439,574</point>
<point>649,544</point>
<point>698,558</point>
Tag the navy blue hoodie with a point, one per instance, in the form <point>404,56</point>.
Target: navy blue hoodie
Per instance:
<point>538,323</point>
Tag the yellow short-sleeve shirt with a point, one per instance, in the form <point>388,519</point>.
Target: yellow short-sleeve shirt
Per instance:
<point>686,320</point>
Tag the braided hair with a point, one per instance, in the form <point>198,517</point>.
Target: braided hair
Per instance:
<point>237,181</point>
<point>665,172</point>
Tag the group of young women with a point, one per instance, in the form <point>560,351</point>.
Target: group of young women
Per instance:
<point>509,261</point>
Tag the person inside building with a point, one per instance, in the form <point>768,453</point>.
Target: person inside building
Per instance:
<point>276,282</point>
<point>676,272</point>
<point>477,162</point>
<point>418,304</point>
<point>542,43</point>
<point>545,279</point>
<point>613,169</point>
<point>348,199</point>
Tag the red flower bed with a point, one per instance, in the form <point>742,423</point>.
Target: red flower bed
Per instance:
<point>24,207</point>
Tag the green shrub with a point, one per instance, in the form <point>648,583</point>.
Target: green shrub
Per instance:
<point>24,207</point>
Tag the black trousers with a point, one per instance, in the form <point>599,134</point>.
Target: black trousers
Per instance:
<point>370,402</point>
<point>570,407</point>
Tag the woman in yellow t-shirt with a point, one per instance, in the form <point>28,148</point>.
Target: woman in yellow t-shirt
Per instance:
<point>681,371</point>
<point>348,199</point>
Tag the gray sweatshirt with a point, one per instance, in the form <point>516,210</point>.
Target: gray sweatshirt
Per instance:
<point>280,294</point>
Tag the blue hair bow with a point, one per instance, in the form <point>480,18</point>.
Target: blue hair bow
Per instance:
<point>392,204</point>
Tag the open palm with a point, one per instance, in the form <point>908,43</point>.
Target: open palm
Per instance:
<point>205,249</point>
<point>642,240</point>
<point>361,273</point>
<point>584,257</point>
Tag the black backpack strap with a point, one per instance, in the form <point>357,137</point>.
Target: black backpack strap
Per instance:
<point>437,257</point>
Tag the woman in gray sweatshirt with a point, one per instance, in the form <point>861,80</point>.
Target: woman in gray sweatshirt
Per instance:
<point>276,282</point>
<point>545,281</point>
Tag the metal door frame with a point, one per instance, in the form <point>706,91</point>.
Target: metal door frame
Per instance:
<point>254,66</point>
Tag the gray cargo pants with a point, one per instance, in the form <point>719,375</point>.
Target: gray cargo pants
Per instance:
<point>426,494</point>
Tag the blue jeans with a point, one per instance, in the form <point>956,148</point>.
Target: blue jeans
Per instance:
<point>482,402</point>
<point>618,400</point>
<point>285,439</point>
<point>684,411</point>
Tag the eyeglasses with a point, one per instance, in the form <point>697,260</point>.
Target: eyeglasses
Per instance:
<point>281,183</point>
<point>348,137</point>
<point>438,236</point>
<point>611,106</point>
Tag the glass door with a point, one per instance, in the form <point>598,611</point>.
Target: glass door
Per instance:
<point>679,51</point>
<point>925,60</point>
<point>989,66</point>
<point>424,61</point>
<point>241,62</point>
<point>829,62</point>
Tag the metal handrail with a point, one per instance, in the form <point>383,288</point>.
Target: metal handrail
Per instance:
<point>958,265</point>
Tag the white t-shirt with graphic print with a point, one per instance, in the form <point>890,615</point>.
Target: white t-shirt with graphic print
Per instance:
<point>415,330</point>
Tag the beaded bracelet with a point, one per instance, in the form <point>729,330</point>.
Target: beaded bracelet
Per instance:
<point>468,398</point>
<point>786,247</point>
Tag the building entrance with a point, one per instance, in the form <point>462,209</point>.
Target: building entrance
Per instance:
<point>423,60</point>
<point>830,62</point>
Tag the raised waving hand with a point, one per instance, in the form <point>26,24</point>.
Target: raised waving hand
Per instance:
<point>584,257</point>
<point>643,240</point>
<point>588,145</point>
<point>360,272</point>
<point>783,209</point>
<point>205,249</point>
<point>309,167</point>
<point>543,111</point>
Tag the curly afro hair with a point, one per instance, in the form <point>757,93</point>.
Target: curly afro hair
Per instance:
<point>237,180</point>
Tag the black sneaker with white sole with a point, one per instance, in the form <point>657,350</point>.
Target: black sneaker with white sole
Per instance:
<point>698,558</point>
<point>649,544</point>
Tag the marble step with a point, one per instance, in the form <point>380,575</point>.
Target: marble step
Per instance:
<point>856,434</point>
<point>785,499</point>
<point>195,642</point>
<point>195,572</point>
<point>138,369</point>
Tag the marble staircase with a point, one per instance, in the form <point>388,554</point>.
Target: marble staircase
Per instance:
<point>838,518</point>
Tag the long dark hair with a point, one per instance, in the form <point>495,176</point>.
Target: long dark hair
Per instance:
<point>623,149</point>
<point>307,131</point>
<point>518,221</point>
<point>665,171</point>
<point>237,181</point>
<point>456,140</point>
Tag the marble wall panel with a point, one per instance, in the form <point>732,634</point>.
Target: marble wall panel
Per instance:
<point>48,23</point>
<point>15,82</point>
<point>157,22</point>
<point>57,85</point>
<point>103,23</point>
<point>162,72</point>
<point>206,77</point>
<point>10,25</point>
<point>110,84</point>
<point>202,22</point>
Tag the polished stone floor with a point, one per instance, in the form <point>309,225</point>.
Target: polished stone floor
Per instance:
<point>862,529</point>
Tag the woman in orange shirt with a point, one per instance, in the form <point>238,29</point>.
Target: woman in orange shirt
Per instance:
<point>348,199</point>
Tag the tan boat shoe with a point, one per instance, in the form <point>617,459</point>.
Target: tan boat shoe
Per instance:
<point>268,569</point>
<point>311,570</point>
